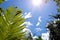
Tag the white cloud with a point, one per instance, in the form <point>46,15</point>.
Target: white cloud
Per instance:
<point>38,23</point>
<point>27,32</point>
<point>39,20</point>
<point>35,37</point>
<point>45,36</point>
<point>38,29</point>
<point>47,24</point>
<point>28,15</point>
<point>25,13</point>
<point>26,29</point>
<point>27,23</point>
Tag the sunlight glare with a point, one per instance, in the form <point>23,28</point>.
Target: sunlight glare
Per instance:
<point>36,2</point>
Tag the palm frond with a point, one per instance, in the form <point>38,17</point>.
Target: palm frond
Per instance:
<point>10,21</point>
<point>1,1</point>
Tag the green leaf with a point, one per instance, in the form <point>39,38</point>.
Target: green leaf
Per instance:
<point>10,21</point>
<point>58,9</point>
<point>1,1</point>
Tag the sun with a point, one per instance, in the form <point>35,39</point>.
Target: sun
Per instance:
<point>36,2</point>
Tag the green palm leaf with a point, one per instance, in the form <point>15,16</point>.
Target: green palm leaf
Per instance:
<point>10,21</point>
<point>1,1</point>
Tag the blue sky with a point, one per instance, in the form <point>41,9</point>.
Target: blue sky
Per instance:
<point>41,12</point>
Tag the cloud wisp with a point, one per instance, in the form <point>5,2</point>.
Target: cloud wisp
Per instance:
<point>38,29</point>
<point>39,20</point>
<point>28,23</point>
<point>45,36</point>
<point>28,15</point>
<point>38,23</point>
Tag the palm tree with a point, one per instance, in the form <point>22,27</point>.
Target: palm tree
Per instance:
<point>10,23</point>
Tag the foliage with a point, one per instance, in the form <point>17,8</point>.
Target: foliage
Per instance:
<point>10,23</point>
<point>39,38</point>
<point>28,35</point>
<point>58,4</point>
<point>1,1</point>
<point>54,25</point>
<point>54,28</point>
